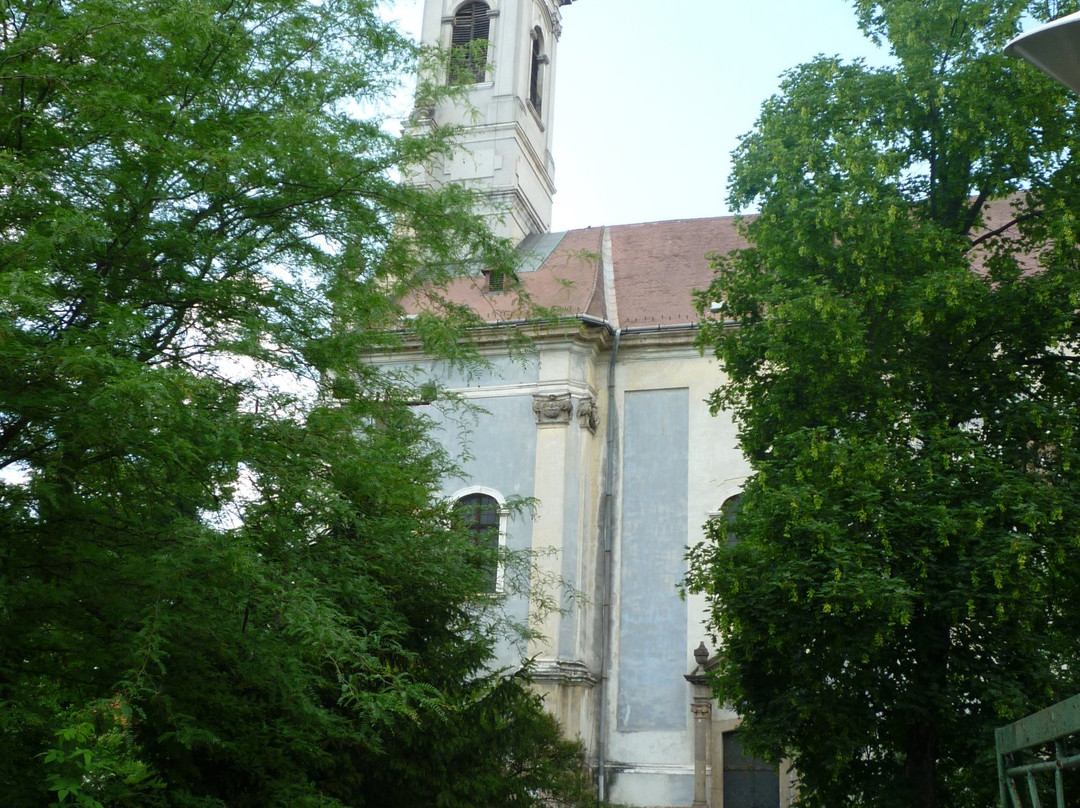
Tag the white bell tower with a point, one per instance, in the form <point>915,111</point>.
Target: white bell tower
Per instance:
<point>503,53</point>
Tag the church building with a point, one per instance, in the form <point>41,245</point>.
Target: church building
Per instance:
<point>604,423</point>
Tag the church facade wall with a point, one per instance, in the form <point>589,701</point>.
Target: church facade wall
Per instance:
<point>612,665</point>
<point>605,426</point>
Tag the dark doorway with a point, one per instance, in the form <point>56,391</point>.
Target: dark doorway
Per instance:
<point>748,782</point>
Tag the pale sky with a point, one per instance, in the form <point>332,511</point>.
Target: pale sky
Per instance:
<point>651,96</point>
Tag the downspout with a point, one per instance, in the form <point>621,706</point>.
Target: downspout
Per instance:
<point>608,525</point>
<point>607,578</point>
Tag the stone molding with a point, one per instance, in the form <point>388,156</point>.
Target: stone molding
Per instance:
<point>562,670</point>
<point>702,710</point>
<point>556,408</point>
<point>588,414</point>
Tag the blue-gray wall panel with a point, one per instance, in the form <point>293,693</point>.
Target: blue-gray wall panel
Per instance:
<point>499,452</point>
<point>652,617</point>
<point>501,447</point>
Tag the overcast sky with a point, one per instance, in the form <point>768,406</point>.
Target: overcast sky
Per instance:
<point>652,95</point>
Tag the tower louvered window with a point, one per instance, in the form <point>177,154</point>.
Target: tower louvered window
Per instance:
<point>536,76</point>
<point>468,44</point>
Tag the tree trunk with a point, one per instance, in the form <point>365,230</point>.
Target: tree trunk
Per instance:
<point>921,767</point>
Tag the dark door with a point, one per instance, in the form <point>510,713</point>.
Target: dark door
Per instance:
<point>748,782</point>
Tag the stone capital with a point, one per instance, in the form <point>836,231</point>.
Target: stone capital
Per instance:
<point>588,414</point>
<point>556,408</point>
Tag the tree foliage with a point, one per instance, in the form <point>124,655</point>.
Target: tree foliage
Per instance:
<point>901,343</point>
<point>225,575</point>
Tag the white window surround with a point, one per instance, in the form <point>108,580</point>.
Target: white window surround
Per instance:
<point>493,16</point>
<point>504,522</point>
<point>538,60</point>
<point>732,489</point>
<point>729,488</point>
<point>480,72</point>
<point>493,11</point>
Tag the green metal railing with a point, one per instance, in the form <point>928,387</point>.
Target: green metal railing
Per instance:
<point>1034,746</point>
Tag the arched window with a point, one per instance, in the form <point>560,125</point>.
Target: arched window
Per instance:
<point>468,44</point>
<point>536,71</point>
<point>485,516</point>
<point>729,512</point>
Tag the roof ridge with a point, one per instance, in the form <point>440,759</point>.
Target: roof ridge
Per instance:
<point>597,274</point>
<point>607,265</point>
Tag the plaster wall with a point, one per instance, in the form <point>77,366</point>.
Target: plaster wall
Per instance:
<point>652,623</point>
<point>674,466</point>
<point>502,447</point>
<point>663,385</point>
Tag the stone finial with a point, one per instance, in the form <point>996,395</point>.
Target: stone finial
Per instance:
<point>701,655</point>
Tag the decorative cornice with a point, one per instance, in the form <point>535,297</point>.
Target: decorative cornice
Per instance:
<point>499,334</point>
<point>620,767</point>
<point>562,670</point>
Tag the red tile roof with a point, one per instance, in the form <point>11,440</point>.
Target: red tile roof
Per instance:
<point>659,265</point>
<point>656,267</point>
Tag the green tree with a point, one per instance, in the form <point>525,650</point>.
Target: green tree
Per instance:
<point>225,575</point>
<point>901,346</point>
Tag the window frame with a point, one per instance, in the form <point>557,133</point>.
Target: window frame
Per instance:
<point>503,515</point>
<point>470,23</point>
<point>730,494</point>
<point>537,60</point>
